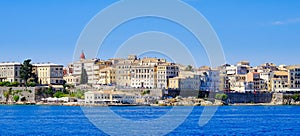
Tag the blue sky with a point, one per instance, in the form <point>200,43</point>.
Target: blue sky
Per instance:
<point>47,31</point>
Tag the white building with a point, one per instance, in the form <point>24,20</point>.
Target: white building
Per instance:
<point>166,71</point>
<point>123,71</point>
<point>213,80</point>
<point>10,71</point>
<point>144,73</point>
<point>90,66</point>
<point>108,97</point>
<point>294,77</point>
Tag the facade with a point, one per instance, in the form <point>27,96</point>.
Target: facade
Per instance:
<point>70,79</point>
<point>123,73</point>
<point>90,66</point>
<point>166,71</point>
<point>279,81</point>
<point>267,76</point>
<point>144,73</point>
<point>10,71</point>
<point>108,97</point>
<point>144,76</point>
<point>185,83</point>
<point>237,83</point>
<point>294,77</point>
<point>107,76</point>
<point>255,82</point>
<point>49,73</point>
<point>213,81</point>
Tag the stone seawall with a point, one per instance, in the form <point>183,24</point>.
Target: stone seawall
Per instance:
<point>249,97</point>
<point>29,95</point>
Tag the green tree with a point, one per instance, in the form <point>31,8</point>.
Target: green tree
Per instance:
<point>84,76</point>
<point>221,97</point>
<point>189,68</point>
<point>49,91</point>
<point>16,98</point>
<point>80,94</point>
<point>31,84</point>
<point>26,71</point>
<point>295,97</point>
<point>58,94</point>
<point>7,94</point>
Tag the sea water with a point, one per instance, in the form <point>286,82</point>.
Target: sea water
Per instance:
<point>227,120</point>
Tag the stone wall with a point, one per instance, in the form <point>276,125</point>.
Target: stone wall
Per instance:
<point>249,97</point>
<point>29,94</point>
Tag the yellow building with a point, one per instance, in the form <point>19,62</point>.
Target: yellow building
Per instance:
<point>185,83</point>
<point>174,82</point>
<point>49,73</point>
<point>107,76</point>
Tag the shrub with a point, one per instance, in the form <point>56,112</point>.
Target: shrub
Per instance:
<point>295,97</point>
<point>6,83</point>
<point>31,84</point>
<point>14,84</point>
<point>221,97</point>
<point>59,94</point>
<point>16,98</point>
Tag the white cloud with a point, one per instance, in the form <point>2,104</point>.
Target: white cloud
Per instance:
<point>286,22</point>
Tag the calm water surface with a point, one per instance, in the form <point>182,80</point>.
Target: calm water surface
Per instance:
<point>235,120</point>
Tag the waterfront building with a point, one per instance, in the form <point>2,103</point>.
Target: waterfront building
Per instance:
<point>123,71</point>
<point>107,76</point>
<point>279,81</point>
<point>255,82</point>
<point>144,73</point>
<point>165,71</point>
<point>89,66</point>
<point>213,82</point>
<point>185,83</point>
<point>224,80</point>
<point>267,76</point>
<point>71,79</point>
<point>49,73</point>
<point>10,71</point>
<point>294,77</point>
<point>210,78</point>
<point>108,97</point>
<point>237,83</point>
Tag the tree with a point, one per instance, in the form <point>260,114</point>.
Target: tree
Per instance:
<point>16,98</point>
<point>79,94</point>
<point>295,97</point>
<point>26,71</point>
<point>84,76</point>
<point>221,97</point>
<point>50,91</point>
<point>7,94</point>
<point>189,68</point>
<point>59,94</point>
